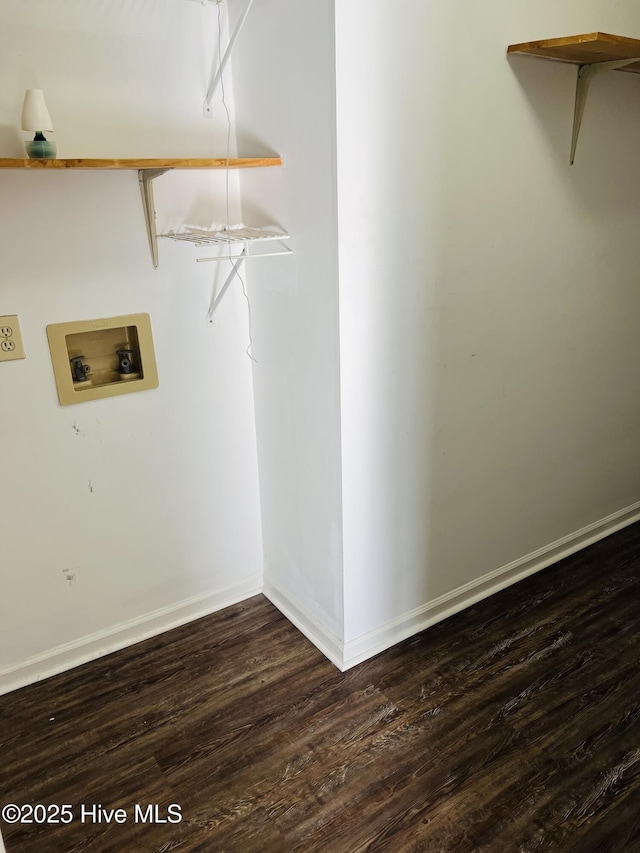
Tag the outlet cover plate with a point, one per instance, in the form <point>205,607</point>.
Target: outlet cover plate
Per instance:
<point>11,346</point>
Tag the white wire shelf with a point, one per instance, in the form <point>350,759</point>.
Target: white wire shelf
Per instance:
<point>241,242</point>
<point>242,238</point>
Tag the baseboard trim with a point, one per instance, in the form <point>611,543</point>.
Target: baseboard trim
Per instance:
<point>366,646</point>
<point>342,655</point>
<point>125,634</point>
<point>321,637</point>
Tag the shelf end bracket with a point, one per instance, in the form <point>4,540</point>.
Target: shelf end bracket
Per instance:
<point>234,271</point>
<point>145,179</point>
<point>216,75</point>
<point>586,73</point>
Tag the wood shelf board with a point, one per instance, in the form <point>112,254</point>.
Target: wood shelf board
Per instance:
<point>156,163</point>
<point>584,49</point>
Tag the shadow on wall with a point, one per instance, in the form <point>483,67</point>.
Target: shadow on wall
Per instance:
<point>11,145</point>
<point>534,304</point>
<point>494,359</point>
<point>250,145</point>
<point>608,126</point>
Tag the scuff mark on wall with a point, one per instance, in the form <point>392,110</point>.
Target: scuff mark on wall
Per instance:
<point>70,575</point>
<point>90,487</point>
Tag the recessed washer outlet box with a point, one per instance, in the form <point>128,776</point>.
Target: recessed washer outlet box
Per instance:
<point>101,358</point>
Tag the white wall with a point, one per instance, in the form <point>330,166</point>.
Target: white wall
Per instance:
<point>445,378</point>
<point>284,88</point>
<point>487,308</point>
<point>149,501</point>
<point>489,301</point>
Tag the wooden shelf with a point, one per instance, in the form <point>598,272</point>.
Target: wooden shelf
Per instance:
<point>594,53</point>
<point>155,163</point>
<point>584,49</point>
<point>148,170</point>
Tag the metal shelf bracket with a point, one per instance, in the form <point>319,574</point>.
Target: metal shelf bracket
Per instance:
<point>145,179</point>
<point>220,294</point>
<point>244,238</point>
<point>586,73</point>
<point>239,259</point>
<point>216,74</point>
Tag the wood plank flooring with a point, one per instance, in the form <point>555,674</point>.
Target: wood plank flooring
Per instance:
<point>514,726</point>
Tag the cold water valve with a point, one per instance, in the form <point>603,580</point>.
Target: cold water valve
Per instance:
<point>125,364</point>
<point>79,370</point>
<point>125,361</point>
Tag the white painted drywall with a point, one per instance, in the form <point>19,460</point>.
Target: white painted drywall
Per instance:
<point>445,373</point>
<point>284,73</point>
<point>489,301</point>
<point>116,509</point>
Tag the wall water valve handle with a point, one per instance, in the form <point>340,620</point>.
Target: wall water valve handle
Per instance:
<point>79,369</point>
<point>125,361</point>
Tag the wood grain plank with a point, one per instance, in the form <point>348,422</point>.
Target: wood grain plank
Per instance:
<point>514,725</point>
<point>583,49</point>
<point>141,163</point>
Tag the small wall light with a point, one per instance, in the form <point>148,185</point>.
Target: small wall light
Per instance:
<point>35,116</point>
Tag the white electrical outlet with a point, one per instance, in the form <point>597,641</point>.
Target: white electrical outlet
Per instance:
<point>11,346</point>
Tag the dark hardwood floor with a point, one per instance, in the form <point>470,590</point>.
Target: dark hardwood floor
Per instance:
<point>513,726</point>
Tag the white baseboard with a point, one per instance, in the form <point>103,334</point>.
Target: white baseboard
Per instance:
<point>321,637</point>
<point>347,655</point>
<point>362,648</point>
<point>342,655</point>
<point>125,634</point>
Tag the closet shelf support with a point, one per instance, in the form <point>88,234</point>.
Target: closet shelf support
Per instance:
<point>586,73</point>
<point>240,259</point>
<point>145,179</point>
<point>216,75</point>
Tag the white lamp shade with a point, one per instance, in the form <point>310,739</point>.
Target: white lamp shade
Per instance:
<point>35,115</point>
